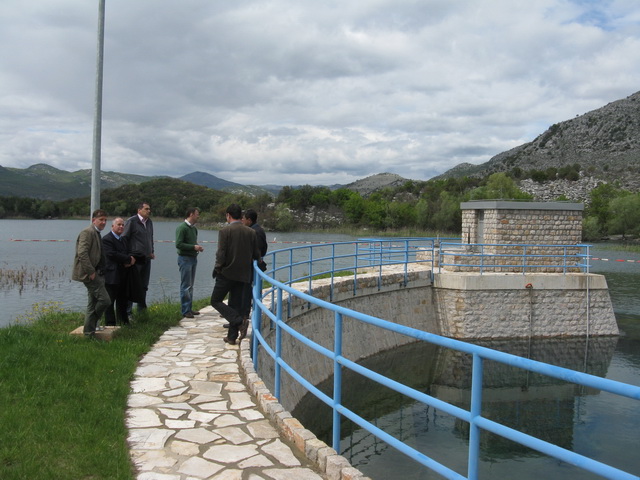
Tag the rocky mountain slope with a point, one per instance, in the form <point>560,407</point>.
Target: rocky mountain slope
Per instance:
<point>604,142</point>
<point>368,185</point>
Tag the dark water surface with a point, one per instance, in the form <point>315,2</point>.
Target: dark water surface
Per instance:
<point>593,423</point>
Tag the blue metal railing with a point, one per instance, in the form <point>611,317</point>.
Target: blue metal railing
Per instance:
<point>377,255</point>
<point>524,258</point>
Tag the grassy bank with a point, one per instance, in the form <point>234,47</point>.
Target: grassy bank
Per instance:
<point>63,398</point>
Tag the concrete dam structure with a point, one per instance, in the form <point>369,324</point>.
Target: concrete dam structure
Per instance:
<point>457,305</point>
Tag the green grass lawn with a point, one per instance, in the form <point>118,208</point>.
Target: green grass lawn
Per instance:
<point>63,398</point>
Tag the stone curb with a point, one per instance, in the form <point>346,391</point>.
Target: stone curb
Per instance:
<point>327,460</point>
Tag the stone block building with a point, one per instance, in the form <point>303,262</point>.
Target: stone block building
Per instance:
<point>512,236</point>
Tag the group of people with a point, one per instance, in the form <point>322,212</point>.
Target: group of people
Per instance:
<point>115,268</point>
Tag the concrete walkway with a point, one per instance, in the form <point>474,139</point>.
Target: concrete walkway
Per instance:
<point>197,410</point>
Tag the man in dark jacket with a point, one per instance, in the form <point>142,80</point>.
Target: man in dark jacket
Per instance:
<point>237,248</point>
<point>250,219</point>
<point>88,265</point>
<point>138,230</point>
<point>118,261</point>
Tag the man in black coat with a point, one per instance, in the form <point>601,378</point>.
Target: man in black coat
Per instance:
<point>118,260</point>
<point>138,230</point>
<point>250,219</point>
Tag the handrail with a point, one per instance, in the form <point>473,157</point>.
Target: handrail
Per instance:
<point>388,254</point>
<point>515,257</point>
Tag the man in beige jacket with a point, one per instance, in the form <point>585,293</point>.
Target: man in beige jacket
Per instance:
<point>88,267</point>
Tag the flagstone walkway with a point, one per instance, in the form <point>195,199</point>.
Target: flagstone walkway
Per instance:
<point>197,410</point>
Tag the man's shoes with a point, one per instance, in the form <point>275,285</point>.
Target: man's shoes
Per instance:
<point>243,328</point>
<point>188,315</point>
<point>229,341</point>
<point>194,313</point>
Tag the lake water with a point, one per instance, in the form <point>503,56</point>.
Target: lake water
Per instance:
<point>36,258</point>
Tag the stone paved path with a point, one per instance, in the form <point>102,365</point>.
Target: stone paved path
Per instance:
<point>190,416</point>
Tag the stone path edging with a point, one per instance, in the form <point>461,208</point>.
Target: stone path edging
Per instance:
<point>198,410</point>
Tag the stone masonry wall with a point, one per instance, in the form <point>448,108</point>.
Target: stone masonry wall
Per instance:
<point>537,227</point>
<point>520,313</point>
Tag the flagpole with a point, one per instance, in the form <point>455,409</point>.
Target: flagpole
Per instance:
<point>97,121</point>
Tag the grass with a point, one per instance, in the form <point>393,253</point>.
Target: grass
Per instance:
<point>63,398</point>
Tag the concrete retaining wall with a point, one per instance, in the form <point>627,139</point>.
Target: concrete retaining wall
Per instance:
<point>458,305</point>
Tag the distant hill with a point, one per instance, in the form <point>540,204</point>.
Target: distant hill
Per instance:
<point>49,183</point>
<point>211,181</point>
<point>368,185</point>
<point>604,142</point>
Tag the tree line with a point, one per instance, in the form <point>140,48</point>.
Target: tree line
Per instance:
<point>416,206</point>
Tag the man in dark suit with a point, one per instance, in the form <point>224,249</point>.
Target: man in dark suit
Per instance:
<point>250,219</point>
<point>118,261</point>
<point>138,230</point>
<point>88,265</point>
<point>237,248</point>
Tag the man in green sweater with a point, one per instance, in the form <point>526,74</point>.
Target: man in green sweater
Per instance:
<point>188,249</point>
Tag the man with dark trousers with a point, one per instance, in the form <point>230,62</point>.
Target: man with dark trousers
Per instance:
<point>118,261</point>
<point>250,219</point>
<point>88,265</point>
<point>237,248</point>
<point>138,230</point>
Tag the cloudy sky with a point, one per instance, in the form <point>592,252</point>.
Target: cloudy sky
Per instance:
<point>290,92</point>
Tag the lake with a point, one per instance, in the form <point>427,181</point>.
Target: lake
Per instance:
<point>36,259</point>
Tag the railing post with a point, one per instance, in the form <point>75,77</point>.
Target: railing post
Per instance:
<point>278,344</point>
<point>355,268</point>
<point>333,270</point>
<point>406,262</point>
<point>290,281</point>
<point>256,315</point>
<point>337,380</point>
<point>476,411</point>
<point>310,287</point>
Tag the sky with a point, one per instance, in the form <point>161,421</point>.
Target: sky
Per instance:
<point>292,92</point>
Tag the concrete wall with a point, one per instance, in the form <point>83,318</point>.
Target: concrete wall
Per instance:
<point>463,306</point>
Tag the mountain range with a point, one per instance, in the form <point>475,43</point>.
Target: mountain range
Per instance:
<point>604,142</point>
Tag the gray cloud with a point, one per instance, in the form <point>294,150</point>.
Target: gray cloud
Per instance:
<point>304,92</point>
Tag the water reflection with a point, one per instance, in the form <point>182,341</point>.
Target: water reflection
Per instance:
<point>547,408</point>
